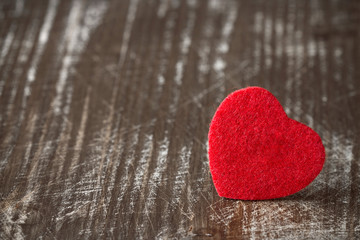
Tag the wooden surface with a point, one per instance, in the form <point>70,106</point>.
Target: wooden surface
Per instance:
<point>105,108</point>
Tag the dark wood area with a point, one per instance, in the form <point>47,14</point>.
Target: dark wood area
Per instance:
<point>105,108</point>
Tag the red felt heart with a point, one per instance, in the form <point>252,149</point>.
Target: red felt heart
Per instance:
<point>257,152</point>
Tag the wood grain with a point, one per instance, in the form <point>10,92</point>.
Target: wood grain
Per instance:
<point>105,107</point>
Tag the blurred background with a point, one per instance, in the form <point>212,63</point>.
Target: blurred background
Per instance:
<point>105,107</point>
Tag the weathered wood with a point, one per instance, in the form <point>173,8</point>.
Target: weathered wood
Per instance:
<point>105,108</point>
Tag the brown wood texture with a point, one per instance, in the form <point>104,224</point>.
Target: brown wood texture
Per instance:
<point>105,108</point>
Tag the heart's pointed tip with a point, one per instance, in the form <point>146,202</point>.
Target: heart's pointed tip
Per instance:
<point>256,197</point>
<point>251,198</point>
<point>255,153</point>
<point>251,195</point>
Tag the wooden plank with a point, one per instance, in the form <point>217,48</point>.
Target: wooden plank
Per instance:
<point>105,107</point>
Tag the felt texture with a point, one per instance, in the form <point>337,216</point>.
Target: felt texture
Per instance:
<point>257,152</point>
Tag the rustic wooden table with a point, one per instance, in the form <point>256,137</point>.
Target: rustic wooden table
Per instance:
<point>105,108</point>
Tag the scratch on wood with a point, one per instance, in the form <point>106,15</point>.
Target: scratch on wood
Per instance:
<point>80,137</point>
<point>127,31</point>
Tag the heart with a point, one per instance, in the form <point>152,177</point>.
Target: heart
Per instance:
<point>257,152</point>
